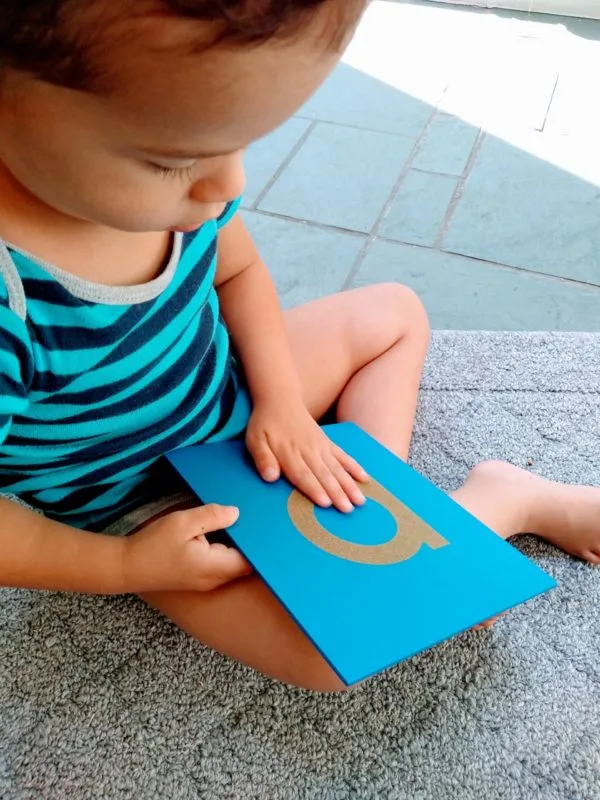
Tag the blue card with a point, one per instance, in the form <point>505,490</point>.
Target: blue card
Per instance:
<point>403,573</point>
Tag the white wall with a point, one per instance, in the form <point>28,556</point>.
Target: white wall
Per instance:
<point>573,8</point>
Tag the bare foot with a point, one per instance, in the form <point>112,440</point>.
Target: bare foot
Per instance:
<point>511,500</point>
<point>488,623</point>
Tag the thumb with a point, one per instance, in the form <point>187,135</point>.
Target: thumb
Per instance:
<point>211,518</point>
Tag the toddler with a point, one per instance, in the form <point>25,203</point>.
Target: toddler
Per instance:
<point>137,317</point>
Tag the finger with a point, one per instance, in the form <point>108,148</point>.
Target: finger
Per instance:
<point>265,460</point>
<point>351,466</point>
<point>330,482</point>
<point>347,483</point>
<point>224,564</point>
<point>209,518</point>
<point>303,478</point>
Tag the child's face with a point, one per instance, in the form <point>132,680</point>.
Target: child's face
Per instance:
<point>106,159</point>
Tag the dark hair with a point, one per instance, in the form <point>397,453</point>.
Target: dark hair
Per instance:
<point>53,39</point>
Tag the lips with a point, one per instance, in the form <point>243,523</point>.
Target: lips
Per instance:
<point>216,211</point>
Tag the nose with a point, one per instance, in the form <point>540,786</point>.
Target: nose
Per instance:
<point>226,183</point>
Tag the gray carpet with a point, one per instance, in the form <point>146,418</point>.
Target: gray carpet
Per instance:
<point>101,698</point>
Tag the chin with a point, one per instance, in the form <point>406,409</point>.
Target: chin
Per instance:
<point>187,228</point>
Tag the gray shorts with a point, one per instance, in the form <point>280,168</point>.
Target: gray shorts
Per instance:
<point>139,517</point>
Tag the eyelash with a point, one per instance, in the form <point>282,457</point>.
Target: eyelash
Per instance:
<point>172,172</point>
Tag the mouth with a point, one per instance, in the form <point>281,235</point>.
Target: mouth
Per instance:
<point>217,210</point>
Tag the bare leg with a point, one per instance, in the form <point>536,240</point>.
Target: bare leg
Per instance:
<point>244,621</point>
<point>381,396</point>
<point>366,349</point>
<point>511,500</point>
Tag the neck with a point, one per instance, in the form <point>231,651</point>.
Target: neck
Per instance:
<point>91,251</point>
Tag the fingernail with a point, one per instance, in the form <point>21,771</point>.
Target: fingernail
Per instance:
<point>325,501</point>
<point>235,512</point>
<point>270,474</point>
<point>347,506</point>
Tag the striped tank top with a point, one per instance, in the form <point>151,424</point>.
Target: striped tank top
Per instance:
<point>98,382</point>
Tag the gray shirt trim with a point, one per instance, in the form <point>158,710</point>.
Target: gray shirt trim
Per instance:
<point>12,279</point>
<point>86,290</point>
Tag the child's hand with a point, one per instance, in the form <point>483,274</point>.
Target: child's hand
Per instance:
<point>284,438</point>
<point>173,554</point>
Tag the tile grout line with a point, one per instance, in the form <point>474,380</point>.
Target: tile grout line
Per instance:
<point>372,235</point>
<point>313,123</point>
<point>358,262</point>
<point>487,263</point>
<point>284,164</point>
<point>510,268</point>
<point>404,172</point>
<point>550,101</point>
<point>323,226</point>
<point>422,171</point>
<point>356,127</point>
<point>387,240</point>
<point>459,191</point>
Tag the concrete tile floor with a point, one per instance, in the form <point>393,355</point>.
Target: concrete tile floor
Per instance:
<point>455,150</point>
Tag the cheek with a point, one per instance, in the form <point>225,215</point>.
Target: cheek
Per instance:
<point>103,191</point>
<point>131,206</point>
<point>127,208</point>
<point>69,168</point>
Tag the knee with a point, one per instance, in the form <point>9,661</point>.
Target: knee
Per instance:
<point>408,306</point>
<point>401,310</point>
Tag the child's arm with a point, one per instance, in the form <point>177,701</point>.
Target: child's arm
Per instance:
<point>170,554</point>
<point>282,435</point>
<point>253,314</point>
<point>37,553</point>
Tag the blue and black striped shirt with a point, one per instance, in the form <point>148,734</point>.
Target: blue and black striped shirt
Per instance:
<point>98,382</point>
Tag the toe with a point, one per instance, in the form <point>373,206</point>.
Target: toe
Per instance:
<point>487,624</point>
<point>590,556</point>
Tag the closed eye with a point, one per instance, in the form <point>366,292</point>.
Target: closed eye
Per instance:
<point>172,172</point>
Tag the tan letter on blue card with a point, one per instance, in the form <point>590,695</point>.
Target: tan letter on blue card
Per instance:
<point>411,531</point>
